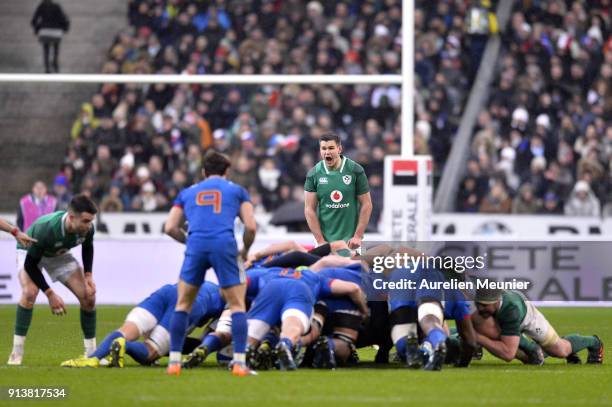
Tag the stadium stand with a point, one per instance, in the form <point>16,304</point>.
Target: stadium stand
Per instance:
<point>266,129</point>
<point>543,144</point>
<point>133,148</point>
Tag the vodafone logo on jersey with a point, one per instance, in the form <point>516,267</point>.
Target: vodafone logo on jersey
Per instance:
<point>336,196</point>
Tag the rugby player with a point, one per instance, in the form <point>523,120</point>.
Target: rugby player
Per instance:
<point>55,235</point>
<point>210,207</point>
<point>337,201</point>
<point>515,315</point>
<point>151,320</point>
<point>288,298</point>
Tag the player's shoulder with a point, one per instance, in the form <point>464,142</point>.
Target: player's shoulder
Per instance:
<point>47,222</point>
<point>317,169</point>
<point>353,166</point>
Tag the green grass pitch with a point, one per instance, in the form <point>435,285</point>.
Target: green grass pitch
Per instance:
<point>486,383</point>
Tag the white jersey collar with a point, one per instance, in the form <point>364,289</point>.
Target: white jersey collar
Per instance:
<point>341,167</point>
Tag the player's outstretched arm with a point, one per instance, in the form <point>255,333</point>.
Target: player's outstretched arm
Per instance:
<point>21,237</point>
<point>353,291</point>
<point>172,227</point>
<point>365,211</point>
<point>505,348</point>
<point>247,215</point>
<point>310,212</point>
<point>278,248</point>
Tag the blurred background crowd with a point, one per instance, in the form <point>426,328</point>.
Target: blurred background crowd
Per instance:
<point>543,142</point>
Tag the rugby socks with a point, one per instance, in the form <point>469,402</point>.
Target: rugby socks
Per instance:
<point>400,346</point>
<point>239,336</point>
<point>527,345</point>
<point>344,252</point>
<point>272,338</point>
<point>212,343</point>
<point>178,328</point>
<point>580,342</point>
<point>88,323</point>
<point>23,320</point>
<point>104,348</point>
<point>138,351</point>
<point>332,344</point>
<point>435,336</point>
<point>287,342</point>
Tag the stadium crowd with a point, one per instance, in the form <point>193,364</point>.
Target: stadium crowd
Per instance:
<point>544,144</point>
<point>133,148</point>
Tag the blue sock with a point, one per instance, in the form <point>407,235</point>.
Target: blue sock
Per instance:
<point>272,338</point>
<point>212,342</point>
<point>138,351</point>
<point>178,328</point>
<point>239,331</point>
<point>400,346</point>
<point>332,344</point>
<point>104,348</point>
<point>287,342</point>
<point>436,336</point>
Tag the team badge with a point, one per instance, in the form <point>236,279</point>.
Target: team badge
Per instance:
<point>347,179</point>
<point>336,196</point>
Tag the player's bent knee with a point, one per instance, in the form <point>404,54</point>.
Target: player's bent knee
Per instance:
<point>402,330</point>
<point>28,296</point>
<point>257,329</point>
<point>301,317</point>
<point>139,321</point>
<point>430,309</point>
<point>160,340</point>
<point>88,302</point>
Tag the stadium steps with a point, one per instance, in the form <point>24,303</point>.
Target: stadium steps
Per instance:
<point>35,119</point>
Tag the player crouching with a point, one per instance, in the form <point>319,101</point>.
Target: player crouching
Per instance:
<point>504,315</point>
<point>151,320</point>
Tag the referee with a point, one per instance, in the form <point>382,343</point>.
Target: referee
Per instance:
<point>337,196</point>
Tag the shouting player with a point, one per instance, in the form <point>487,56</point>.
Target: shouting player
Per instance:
<point>55,235</point>
<point>337,202</point>
<point>211,207</point>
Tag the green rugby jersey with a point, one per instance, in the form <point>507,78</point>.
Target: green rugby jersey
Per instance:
<point>337,192</point>
<point>511,313</point>
<point>53,240</point>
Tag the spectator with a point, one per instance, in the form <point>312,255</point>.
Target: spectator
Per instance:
<point>50,23</point>
<point>61,192</point>
<point>34,205</point>
<point>497,200</point>
<point>582,201</point>
<point>552,205</point>
<point>112,201</point>
<point>468,199</point>
<point>525,202</point>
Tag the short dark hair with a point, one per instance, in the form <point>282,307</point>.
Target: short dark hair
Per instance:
<point>215,163</point>
<point>82,203</point>
<point>330,137</point>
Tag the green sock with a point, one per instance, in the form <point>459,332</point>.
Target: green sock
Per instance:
<point>343,252</point>
<point>23,320</point>
<point>580,342</point>
<point>527,345</point>
<point>88,323</point>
